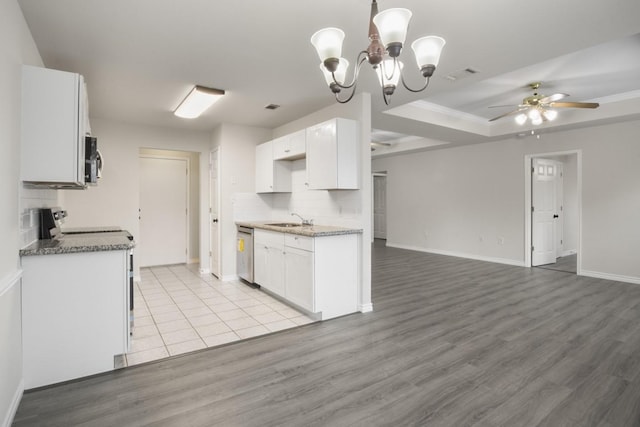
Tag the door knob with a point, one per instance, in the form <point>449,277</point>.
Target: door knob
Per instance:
<point>215,220</point>
<point>555,216</point>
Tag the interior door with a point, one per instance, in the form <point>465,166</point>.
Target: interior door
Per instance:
<point>380,207</point>
<point>163,211</point>
<point>559,209</point>
<point>544,212</point>
<point>213,205</point>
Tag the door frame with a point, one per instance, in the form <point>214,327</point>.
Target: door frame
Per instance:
<point>187,159</point>
<point>527,203</point>
<point>216,245</point>
<point>373,175</point>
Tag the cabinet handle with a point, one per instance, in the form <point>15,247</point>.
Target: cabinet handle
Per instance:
<point>286,151</point>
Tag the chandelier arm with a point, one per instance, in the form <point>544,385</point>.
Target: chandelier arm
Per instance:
<point>353,91</point>
<point>426,84</point>
<point>362,56</point>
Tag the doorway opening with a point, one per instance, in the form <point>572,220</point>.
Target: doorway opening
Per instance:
<point>379,208</point>
<point>169,211</point>
<point>553,211</point>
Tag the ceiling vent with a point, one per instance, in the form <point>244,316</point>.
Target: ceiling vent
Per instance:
<point>272,107</point>
<point>460,74</point>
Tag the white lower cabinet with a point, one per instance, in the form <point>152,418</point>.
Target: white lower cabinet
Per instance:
<point>318,274</point>
<point>75,315</point>
<point>298,277</point>
<point>268,255</point>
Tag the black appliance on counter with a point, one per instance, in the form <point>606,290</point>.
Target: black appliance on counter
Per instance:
<point>50,221</point>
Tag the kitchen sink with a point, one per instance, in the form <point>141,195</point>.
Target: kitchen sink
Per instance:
<point>285,224</point>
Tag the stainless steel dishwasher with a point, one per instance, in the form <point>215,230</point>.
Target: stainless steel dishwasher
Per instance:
<point>244,253</point>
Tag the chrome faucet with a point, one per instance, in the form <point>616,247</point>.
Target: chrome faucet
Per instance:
<point>304,221</point>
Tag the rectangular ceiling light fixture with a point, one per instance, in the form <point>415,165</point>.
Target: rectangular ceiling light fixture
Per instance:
<point>199,99</point>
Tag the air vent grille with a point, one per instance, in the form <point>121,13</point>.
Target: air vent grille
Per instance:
<point>272,107</point>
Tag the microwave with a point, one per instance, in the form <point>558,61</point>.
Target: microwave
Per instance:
<point>92,161</point>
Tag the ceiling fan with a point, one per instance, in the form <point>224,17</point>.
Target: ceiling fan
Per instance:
<point>540,108</point>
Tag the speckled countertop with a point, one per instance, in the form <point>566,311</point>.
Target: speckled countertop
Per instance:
<point>74,243</point>
<point>305,230</point>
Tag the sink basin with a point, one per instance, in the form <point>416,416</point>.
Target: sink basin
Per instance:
<point>285,224</point>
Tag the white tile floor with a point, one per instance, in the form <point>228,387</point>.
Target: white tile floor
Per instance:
<point>177,311</point>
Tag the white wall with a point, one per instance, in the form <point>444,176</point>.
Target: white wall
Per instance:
<point>458,195</point>
<point>17,47</point>
<point>236,157</point>
<point>115,201</point>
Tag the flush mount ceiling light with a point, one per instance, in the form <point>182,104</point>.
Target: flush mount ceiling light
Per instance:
<point>387,34</point>
<point>199,99</point>
<point>540,108</point>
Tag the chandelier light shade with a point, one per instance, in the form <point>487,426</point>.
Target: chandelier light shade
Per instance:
<point>328,43</point>
<point>387,35</point>
<point>198,101</point>
<point>427,51</point>
<point>392,25</point>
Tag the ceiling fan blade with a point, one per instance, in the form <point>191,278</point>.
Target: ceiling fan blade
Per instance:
<point>503,106</point>
<point>552,98</point>
<point>516,111</point>
<point>574,105</point>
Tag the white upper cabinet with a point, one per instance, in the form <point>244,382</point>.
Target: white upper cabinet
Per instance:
<point>290,147</point>
<point>54,125</point>
<point>271,176</point>
<point>332,155</point>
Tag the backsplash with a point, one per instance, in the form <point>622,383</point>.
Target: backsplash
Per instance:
<point>31,200</point>
<point>339,207</point>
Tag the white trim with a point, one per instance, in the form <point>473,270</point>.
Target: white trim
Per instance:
<point>193,261</point>
<point>9,281</point>
<point>507,261</point>
<point>527,203</point>
<point>365,308</point>
<point>13,408</point>
<point>567,253</point>
<point>204,271</point>
<point>609,276</point>
<point>218,244</point>
<point>230,278</point>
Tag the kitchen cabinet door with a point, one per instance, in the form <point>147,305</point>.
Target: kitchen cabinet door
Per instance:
<point>261,264</point>
<point>332,155</point>
<point>299,281</point>
<point>290,147</point>
<point>272,176</point>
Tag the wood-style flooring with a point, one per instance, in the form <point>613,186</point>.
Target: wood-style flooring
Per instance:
<point>568,264</point>
<point>451,342</point>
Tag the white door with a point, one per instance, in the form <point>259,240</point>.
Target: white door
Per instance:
<point>163,211</point>
<point>213,205</point>
<point>380,207</point>
<point>544,213</point>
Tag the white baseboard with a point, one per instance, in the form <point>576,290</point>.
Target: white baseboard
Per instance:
<point>204,271</point>
<point>608,276</point>
<point>193,261</point>
<point>507,261</point>
<point>9,281</point>
<point>230,278</point>
<point>365,308</point>
<point>13,408</point>
<point>567,253</point>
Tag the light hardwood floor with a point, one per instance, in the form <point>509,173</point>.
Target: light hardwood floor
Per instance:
<point>451,342</point>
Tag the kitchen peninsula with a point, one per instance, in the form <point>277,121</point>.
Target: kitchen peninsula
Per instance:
<point>75,305</point>
<point>314,267</point>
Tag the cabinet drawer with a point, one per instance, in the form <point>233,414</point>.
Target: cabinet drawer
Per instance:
<point>268,238</point>
<point>300,242</point>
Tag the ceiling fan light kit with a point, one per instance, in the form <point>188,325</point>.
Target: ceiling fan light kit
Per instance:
<point>541,108</point>
<point>387,35</point>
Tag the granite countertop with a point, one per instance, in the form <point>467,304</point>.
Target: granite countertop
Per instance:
<point>305,230</point>
<point>74,243</point>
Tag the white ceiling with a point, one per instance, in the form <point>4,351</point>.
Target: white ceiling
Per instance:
<point>141,57</point>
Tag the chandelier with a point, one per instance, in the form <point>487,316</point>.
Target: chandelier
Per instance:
<point>387,34</point>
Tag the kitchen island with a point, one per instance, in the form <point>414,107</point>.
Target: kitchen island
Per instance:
<point>313,267</point>
<point>75,305</point>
